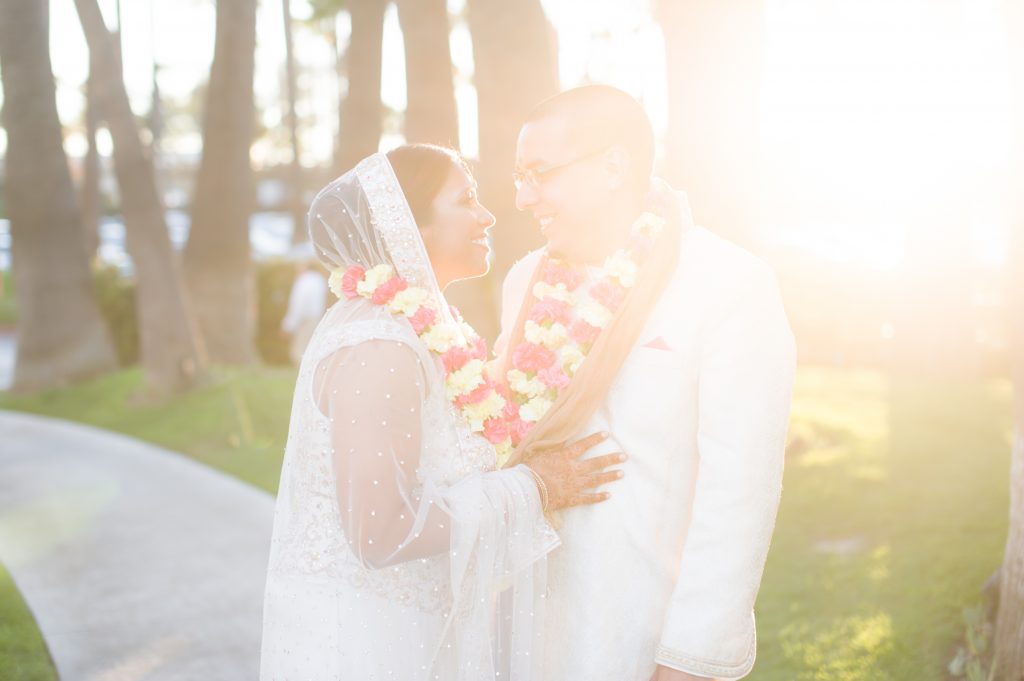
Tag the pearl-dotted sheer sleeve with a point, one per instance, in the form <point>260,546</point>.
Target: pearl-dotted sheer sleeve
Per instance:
<point>392,509</point>
<point>373,394</point>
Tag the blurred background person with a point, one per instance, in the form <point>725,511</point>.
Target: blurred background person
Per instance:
<point>306,302</point>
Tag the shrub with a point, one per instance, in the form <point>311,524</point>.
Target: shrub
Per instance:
<point>115,296</point>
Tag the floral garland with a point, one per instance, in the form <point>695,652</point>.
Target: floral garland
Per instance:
<point>562,326</point>
<point>478,399</point>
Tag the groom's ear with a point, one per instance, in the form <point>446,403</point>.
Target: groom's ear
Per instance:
<point>618,167</point>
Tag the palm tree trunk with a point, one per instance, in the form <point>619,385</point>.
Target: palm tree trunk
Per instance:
<point>360,124</point>
<point>1009,635</point>
<point>217,264</point>
<point>430,114</point>
<point>292,120</point>
<point>90,190</point>
<point>515,57</point>
<point>171,350</point>
<point>713,63</point>
<point>60,334</point>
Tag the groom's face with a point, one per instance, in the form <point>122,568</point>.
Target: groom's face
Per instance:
<point>568,191</point>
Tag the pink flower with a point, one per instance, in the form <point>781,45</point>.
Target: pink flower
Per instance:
<point>553,377</point>
<point>511,410</point>
<point>423,318</point>
<point>353,275</point>
<point>496,430</point>
<point>386,291</point>
<point>608,294</point>
<point>532,357</point>
<point>560,273</point>
<point>518,429</point>
<point>479,350</point>
<point>455,358</point>
<point>552,310</point>
<point>583,333</point>
<point>479,394</point>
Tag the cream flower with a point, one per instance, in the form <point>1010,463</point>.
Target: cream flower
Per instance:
<point>488,408</point>
<point>543,290</point>
<point>649,224</point>
<point>374,278</point>
<point>408,301</point>
<point>465,380</point>
<point>595,314</point>
<point>334,283</point>
<point>531,387</point>
<point>468,332</point>
<point>503,450</point>
<point>552,337</point>
<point>535,409</point>
<point>571,357</point>
<point>620,266</point>
<point>440,337</point>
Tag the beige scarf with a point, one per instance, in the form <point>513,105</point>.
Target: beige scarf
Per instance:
<point>581,398</point>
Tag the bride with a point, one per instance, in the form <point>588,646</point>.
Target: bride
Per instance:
<point>400,551</point>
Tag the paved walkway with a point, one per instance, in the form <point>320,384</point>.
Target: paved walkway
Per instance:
<point>137,563</point>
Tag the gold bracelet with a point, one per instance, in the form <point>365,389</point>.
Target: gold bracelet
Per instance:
<point>541,487</point>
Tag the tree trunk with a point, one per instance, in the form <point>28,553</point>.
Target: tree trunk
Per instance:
<point>90,190</point>
<point>360,124</point>
<point>509,40</point>
<point>218,269</point>
<point>1009,636</point>
<point>713,53</point>
<point>295,202</point>
<point>171,351</point>
<point>60,335</point>
<point>430,114</point>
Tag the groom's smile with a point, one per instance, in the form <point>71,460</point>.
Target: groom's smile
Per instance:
<point>566,184</point>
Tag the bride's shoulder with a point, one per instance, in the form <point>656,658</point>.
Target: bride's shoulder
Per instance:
<point>331,337</point>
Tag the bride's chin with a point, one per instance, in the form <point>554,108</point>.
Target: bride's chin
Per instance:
<point>477,269</point>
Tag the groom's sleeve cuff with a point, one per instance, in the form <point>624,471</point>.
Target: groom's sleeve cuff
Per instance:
<point>667,657</point>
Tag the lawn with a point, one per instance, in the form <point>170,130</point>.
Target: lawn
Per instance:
<point>8,307</point>
<point>23,654</point>
<point>893,514</point>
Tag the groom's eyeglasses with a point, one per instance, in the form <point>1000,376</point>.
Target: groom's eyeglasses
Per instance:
<point>533,177</point>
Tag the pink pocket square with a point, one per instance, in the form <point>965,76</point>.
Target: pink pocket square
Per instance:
<point>658,344</point>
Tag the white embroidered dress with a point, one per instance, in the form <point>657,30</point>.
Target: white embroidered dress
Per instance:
<point>399,552</point>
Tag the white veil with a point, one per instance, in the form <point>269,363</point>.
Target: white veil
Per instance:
<point>393,533</point>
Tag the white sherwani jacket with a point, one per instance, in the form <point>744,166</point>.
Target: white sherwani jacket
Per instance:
<point>667,570</point>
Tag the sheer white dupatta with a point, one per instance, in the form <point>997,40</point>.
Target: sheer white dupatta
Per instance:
<point>398,550</point>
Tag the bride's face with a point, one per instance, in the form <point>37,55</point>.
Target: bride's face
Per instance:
<point>456,233</point>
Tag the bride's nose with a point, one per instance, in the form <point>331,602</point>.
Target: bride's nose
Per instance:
<point>485,217</point>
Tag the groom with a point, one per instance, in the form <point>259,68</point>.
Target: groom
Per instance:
<point>659,582</point>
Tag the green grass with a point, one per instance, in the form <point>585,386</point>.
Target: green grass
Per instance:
<point>893,513</point>
<point>23,654</point>
<point>8,307</point>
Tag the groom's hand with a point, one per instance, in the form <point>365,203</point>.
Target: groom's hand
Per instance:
<point>669,674</point>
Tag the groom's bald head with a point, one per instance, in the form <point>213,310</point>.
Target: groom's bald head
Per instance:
<point>601,117</point>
